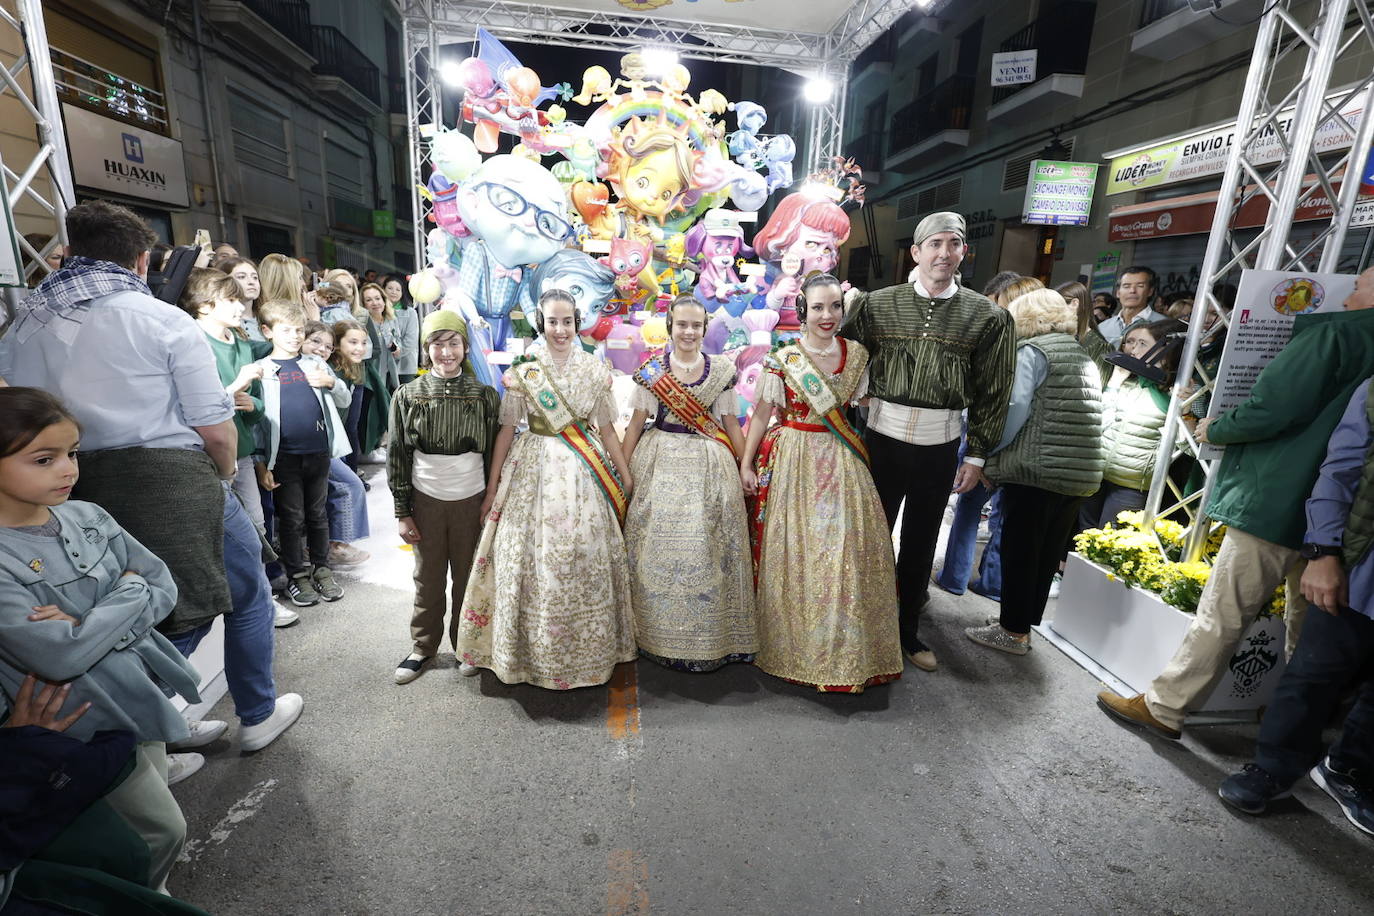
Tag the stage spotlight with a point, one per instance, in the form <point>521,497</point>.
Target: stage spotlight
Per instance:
<point>658,61</point>
<point>451,73</point>
<point>818,90</point>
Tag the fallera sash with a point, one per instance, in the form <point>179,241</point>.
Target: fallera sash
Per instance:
<point>811,386</point>
<point>675,396</point>
<point>545,398</point>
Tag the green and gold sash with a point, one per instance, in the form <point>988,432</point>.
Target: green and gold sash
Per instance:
<point>812,386</point>
<point>552,407</point>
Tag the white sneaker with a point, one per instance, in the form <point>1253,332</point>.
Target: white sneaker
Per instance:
<point>376,456</point>
<point>202,733</point>
<point>341,554</point>
<point>256,737</point>
<point>283,616</point>
<point>183,766</point>
<point>1055,583</point>
<point>467,670</point>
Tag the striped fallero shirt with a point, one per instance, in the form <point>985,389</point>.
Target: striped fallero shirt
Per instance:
<point>438,416</point>
<point>951,354</point>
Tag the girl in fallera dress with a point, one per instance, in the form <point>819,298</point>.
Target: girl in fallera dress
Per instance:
<point>548,600</point>
<point>691,573</point>
<point>826,594</point>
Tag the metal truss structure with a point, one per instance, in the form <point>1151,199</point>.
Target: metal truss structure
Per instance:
<point>55,195</point>
<point>429,24</point>
<point>1338,30</point>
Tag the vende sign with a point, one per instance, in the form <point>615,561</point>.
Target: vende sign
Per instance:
<point>109,155</point>
<point>1196,218</point>
<point>1012,67</point>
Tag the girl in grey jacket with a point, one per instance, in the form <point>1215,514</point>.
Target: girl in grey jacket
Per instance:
<point>79,599</point>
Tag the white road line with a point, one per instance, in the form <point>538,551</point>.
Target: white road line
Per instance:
<point>239,812</point>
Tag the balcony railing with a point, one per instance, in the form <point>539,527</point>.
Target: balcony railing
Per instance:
<point>109,93</point>
<point>340,57</point>
<point>1155,10</point>
<point>1061,36</point>
<point>866,150</point>
<point>396,95</point>
<point>880,52</point>
<point>945,107</point>
<point>290,17</point>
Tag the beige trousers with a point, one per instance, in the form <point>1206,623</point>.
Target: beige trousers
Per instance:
<point>449,531</point>
<point>1244,576</point>
<point>147,806</point>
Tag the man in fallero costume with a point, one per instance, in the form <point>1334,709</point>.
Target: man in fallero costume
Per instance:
<point>937,349</point>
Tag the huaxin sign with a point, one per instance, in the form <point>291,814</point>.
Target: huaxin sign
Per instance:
<point>109,155</point>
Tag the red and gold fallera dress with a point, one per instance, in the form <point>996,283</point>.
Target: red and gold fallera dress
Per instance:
<point>827,590</point>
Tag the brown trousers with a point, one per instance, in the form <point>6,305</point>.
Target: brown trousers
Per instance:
<point>449,532</point>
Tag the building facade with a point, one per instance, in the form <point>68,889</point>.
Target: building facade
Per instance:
<point>258,121</point>
<point>1147,89</point>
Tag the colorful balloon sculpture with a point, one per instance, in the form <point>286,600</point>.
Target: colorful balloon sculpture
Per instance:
<point>624,199</point>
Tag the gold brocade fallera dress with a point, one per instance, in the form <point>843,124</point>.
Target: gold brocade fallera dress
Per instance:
<point>827,587</point>
<point>691,573</point>
<point>548,600</point>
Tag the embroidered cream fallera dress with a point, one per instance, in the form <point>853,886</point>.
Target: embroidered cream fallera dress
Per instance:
<point>827,587</point>
<point>548,600</point>
<point>687,531</point>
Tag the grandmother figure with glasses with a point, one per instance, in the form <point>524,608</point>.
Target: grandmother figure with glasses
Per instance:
<point>517,213</point>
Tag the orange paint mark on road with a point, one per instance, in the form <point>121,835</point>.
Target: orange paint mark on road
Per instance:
<point>627,892</point>
<point>622,703</point>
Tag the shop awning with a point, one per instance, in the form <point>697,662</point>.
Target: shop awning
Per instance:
<point>1191,214</point>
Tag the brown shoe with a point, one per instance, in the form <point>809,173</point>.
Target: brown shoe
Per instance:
<point>1133,711</point>
<point>923,659</point>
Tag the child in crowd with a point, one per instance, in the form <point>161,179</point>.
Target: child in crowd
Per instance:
<point>347,492</point>
<point>212,299</point>
<point>245,273</point>
<point>443,426</point>
<point>302,433</point>
<point>79,599</point>
<point>366,420</point>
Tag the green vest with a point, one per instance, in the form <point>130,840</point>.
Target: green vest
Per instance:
<point>1359,524</point>
<point>1131,438</point>
<point>1060,447</point>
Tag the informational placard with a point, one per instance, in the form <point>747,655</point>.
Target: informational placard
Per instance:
<point>1059,193</point>
<point>1104,271</point>
<point>1204,152</point>
<point>1267,303</point>
<point>1010,68</point>
<point>11,264</point>
<point>109,155</point>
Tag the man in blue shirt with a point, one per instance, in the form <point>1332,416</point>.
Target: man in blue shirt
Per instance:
<point>1336,649</point>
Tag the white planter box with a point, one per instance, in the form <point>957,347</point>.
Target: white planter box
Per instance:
<point>1131,634</point>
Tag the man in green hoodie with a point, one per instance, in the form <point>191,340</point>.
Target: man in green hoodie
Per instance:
<point>1275,443</point>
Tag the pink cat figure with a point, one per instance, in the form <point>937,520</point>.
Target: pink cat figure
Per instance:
<point>629,259</point>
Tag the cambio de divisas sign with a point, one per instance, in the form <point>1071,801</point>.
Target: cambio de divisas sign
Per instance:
<point>1059,193</point>
<point>1204,153</point>
<point>1012,67</point>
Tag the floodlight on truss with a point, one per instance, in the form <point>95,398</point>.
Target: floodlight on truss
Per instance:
<point>818,90</point>
<point>658,61</point>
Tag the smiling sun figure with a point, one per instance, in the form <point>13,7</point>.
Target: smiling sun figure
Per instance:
<point>651,168</point>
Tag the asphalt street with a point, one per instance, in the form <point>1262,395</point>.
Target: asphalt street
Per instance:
<point>991,786</point>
